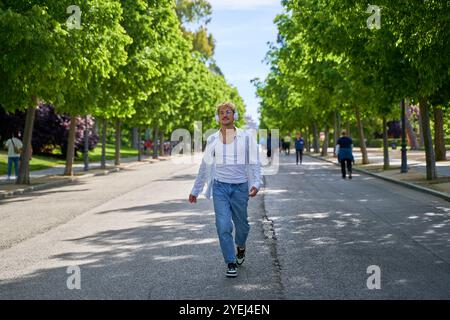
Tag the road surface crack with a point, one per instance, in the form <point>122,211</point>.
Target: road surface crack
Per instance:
<point>268,229</point>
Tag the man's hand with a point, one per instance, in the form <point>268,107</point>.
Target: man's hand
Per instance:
<point>253,192</point>
<point>192,198</point>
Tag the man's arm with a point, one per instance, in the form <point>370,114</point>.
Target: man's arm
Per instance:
<point>199,182</point>
<point>202,175</point>
<point>256,171</point>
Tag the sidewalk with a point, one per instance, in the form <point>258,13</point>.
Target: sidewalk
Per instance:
<point>53,177</point>
<point>414,178</point>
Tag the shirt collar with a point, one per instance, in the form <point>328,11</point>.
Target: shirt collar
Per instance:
<point>239,132</point>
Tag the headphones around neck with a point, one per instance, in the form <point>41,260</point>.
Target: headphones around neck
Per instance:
<point>235,116</point>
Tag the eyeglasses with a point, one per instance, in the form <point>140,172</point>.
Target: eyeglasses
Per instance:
<point>227,112</point>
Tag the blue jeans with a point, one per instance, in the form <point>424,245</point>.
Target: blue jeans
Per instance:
<point>230,206</point>
<point>15,161</point>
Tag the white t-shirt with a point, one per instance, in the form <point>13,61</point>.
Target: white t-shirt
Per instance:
<point>10,146</point>
<point>230,161</point>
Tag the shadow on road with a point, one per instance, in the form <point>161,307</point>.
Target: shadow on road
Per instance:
<point>331,230</point>
<point>172,254</point>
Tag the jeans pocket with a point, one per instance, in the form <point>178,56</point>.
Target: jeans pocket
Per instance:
<point>244,187</point>
<point>217,187</point>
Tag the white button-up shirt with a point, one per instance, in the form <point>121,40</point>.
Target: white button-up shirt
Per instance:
<point>230,161</point>
<point>248,156</point>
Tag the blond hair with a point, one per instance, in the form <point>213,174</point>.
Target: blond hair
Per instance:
<point>228,105</point>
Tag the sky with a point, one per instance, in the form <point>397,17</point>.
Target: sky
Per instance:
<point>242,29</point>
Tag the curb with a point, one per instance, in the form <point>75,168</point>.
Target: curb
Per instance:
<point>409,185</point>
<point>71,180</point>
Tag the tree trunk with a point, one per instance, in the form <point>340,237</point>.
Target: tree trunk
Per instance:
<point>316,146</point>
<point>421,136</point>
<point>326,141</point>
<point>24,167</point>
<point>338,133</point>
<point>412,137</point>
<point>385,145</point>
<point>428,141</point>
<point>161,145</point>
<point>348,129</point>
<point>118,143</point>
<point>139,144</point>
<point>95,127</point>
<point>103,158</point>
<point>306,138</point>
<point>148,136</point>
<point>134,138</point>
<point>155,143</point>
<point>71,147</point>
<point>439,135</point>
<point>362,141</point>
<point>335,131</point>
<point>86,144</point>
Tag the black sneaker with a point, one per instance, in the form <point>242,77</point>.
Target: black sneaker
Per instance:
<point>240,256</point>
<point>350,175</point>
<point>232,270</point>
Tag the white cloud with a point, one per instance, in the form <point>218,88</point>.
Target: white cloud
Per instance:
<point>242,4</point>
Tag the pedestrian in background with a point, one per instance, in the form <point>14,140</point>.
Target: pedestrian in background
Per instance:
<point>14,147</point>
<point>344,150</point>
<point>148,146</point>
<point>287,142</point>
<point>269,147</point>
<point>299,145</point>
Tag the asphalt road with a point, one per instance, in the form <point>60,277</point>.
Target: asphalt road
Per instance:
<point>133,235</point>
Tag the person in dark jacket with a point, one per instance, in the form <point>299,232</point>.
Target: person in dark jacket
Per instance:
<point>344,150</point>
<point>269,146</point>
<point>299,145</point>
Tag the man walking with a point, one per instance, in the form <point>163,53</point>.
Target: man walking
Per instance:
<point>232,170</point>
<point>344,150</point>
<point>299,144</point>
<point>14,146</point>
<point>269,147</point>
